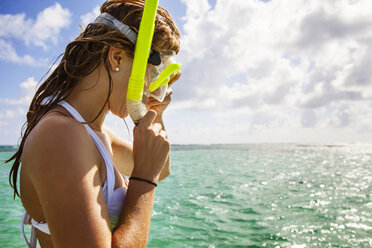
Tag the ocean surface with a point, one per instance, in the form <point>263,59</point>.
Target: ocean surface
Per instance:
<point>264,195</point>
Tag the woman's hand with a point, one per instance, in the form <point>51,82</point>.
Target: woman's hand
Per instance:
<point>157,106</point>
<point>150,148</point>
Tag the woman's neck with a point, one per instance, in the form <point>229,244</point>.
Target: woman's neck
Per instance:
<point>89,96</point>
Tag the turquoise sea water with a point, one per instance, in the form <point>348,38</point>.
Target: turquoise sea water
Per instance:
<point>283,195</point>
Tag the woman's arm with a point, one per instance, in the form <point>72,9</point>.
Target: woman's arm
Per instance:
<point>123,154</point>
<point>135,219</point>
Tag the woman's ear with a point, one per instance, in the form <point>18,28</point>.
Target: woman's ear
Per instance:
<point>115,58</point>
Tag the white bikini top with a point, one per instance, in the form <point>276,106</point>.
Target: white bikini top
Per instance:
<point>114,197</point>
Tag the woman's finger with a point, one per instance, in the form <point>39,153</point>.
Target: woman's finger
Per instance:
<point>147,119</point>
<point>175,78</point>
<point>163,134</point>
<point>169,92</point>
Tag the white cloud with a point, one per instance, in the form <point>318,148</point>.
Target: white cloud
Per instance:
<point>39,32</point>
<point>90,16</point>
<point>2,123</point>
<point>14,25</point>
<point>196,8</point>
<point>29,86</point>
<point>13,112</point>
<point>28,89</point>
<point>48,24</point>
<point>8,53</point>
<point>283,63</point>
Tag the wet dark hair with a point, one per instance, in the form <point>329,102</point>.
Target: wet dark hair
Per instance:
<point>83,55</point>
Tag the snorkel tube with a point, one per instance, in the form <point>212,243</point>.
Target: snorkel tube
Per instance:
<point>135,107</point>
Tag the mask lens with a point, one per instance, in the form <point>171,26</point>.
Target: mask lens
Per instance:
<point>160,93</point>
<point>157,77</point>
<point>152,75</point>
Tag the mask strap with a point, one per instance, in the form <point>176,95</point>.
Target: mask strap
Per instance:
<point>109,20</point>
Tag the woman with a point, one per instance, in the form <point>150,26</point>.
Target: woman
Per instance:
<point>68,166</point>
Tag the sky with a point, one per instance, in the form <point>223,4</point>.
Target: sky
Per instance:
<point>279,71</point>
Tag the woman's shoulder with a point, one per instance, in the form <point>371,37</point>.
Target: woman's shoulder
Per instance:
<point>57,125</point>
<point>57,137</point>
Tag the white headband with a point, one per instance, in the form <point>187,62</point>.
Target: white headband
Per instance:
<point>109,20</point>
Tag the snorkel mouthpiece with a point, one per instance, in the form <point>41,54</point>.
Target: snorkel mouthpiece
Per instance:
<point>136,109</point>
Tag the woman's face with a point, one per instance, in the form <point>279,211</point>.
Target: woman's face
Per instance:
<point>117,100</point>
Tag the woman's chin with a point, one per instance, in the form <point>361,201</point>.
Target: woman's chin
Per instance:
<point>120,114</point>
<point>123,114</point>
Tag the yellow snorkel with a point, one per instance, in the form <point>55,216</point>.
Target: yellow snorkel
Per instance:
<point>135,107</point>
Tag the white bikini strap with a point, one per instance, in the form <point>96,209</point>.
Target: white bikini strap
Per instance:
<point>110,180</point>
<point>26,220</point>
<point>41,226</point>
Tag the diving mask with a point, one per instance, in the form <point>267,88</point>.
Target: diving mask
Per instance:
<point>161,67</point>
<point>158,76</point>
